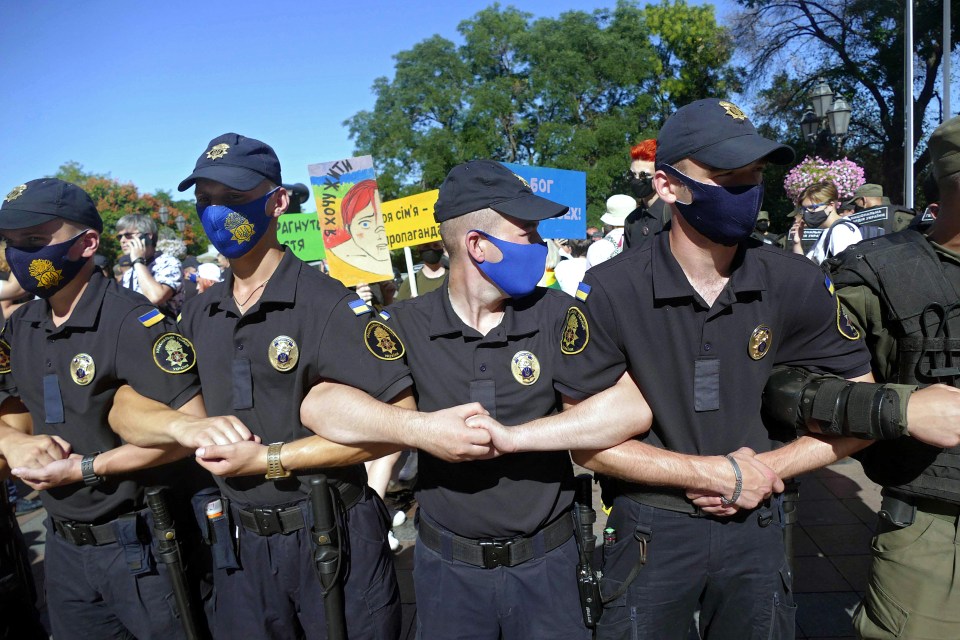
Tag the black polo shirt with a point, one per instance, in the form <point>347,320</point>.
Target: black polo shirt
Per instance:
<point>110,339</point>
<point>510,371</point>
<point>702,369</point>
<point>259,366</point>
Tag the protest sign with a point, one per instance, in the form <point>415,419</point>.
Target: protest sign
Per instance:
<point>563,186</point>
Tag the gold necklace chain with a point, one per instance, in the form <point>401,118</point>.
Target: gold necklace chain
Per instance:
<point>241,305</point>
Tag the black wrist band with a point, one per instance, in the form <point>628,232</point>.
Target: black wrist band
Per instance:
<point>738,488</point>
<point>90,478</point>
<point>137,261</point>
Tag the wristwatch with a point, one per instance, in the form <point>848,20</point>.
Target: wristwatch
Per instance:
<point>90,478</point>
<point>275,470</point>
<point>137,261</point>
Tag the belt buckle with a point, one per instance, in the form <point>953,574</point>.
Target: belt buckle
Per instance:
<point>79,534</point>
<point>268,520</point>
<point>495,553</point>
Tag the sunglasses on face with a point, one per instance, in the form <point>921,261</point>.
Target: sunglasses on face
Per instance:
<point>817,206</point>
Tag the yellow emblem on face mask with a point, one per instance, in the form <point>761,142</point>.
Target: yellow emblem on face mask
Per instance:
<point>733,110</point>
<point>217,151</point>
<point>15,193</point>
<point>239,227</point>
<point>47,277</point>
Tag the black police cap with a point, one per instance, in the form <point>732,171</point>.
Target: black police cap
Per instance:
<point>718,134</point>
<point>481,184</point>
<point>237,161</point>
<point>42,200</point>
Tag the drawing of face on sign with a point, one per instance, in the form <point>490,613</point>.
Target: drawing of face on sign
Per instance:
<point>366,248</point>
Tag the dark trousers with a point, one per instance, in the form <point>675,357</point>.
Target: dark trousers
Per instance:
<point>276,594</point>
<point>733,570</point>
<point>92,594</point>
<point>534,600</point>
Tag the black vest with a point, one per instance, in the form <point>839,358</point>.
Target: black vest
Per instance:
<point>922,311</point>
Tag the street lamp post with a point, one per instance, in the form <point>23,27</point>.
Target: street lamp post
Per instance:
<point>181,224</point>
<point>164,214</point>
<point>828,117</point>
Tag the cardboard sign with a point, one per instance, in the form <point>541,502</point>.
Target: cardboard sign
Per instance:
<point>351,220</point>
<point>563,186</point>
<point>301,232</point>
<point>409,220</point>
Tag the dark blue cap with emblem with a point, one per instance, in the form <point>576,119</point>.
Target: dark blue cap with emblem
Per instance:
<point>718,134</point>
<point>237,161</point>
<point>40,201</point>
<point>482,184</point>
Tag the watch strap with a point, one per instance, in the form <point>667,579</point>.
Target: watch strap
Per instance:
<point>275,470</point>
<point>90,478</point>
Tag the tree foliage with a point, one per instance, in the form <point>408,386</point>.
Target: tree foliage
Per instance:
<point>115,200</point>
<point>857,46</point>
<point>572,92</point>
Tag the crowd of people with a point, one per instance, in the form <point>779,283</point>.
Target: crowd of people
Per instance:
<point>692,367</point>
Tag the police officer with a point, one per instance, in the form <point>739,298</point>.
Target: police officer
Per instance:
<point>726,311</point>
<point>266,335</point>
<point>495,556</point>
<point>65,356</point>
<point>901,290</point>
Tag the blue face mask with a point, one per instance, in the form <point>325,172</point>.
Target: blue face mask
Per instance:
<point>44,270</point>
<point>521,268</point>
<point>725,215</point>
<point>235,230</point>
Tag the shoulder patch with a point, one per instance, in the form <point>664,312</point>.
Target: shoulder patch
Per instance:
<point>846,328</point>
<point>829,285</point>
<point>583,290</point>
<point>151,318</point>
<point>385,315</point>
<point>359,307</point>
<point>5,366</point>
<point>382,342</point>
<point>576,332</point>
<point>174,354</point>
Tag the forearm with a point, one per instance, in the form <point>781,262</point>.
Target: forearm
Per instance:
<point>155,292</point>
<point>645,464</point>
<point>144,422</point>
<point>349,416</point>
<point>315,452</point>
<point>810,452</point>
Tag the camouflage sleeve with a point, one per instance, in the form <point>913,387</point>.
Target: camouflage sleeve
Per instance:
<point>863,309</point>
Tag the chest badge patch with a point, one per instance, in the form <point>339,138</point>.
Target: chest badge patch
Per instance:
<point>760,341</point>
<point>525,367</point>
<point>382,341</point>
<point>82,369</point>
<point>847,330</point>
<point>283,353</point>
<point>173,353</point>
<point>5,366</point>
<point>576,332</point>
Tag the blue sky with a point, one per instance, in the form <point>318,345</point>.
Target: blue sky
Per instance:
<point>136,89</point>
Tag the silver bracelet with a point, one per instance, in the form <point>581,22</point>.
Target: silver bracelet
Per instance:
<point>738,488</point>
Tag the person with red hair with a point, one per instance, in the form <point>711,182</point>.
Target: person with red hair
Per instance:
<point>651,215</point>
<point>366,248</point>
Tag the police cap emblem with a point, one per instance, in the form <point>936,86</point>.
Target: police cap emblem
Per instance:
<point>82,369</point>
<point>525,367</point>
<point>173,353</point>
<point>5,366</point>
<point>382,341</point>
<point>760,341</point>
<point>15,193</point>
<point>217,151</point>
<point>733,110</point>
<point>283,353</point>
<point>576,332</point>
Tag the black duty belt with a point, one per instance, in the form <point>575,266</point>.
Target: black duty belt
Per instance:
<point>666,500</point>
<point>894,503</point>
<point>493,553</point>
<point>268,521</point>
<point>83,534</point>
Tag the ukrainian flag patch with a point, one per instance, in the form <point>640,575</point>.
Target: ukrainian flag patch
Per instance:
<point>151,318</point>
<point>360,307</point>
<point>828,284</point>
<point>583,290</point>
<point>385,315</point>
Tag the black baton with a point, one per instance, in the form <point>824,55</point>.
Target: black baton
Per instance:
<point>326,557</point>
<point>584,516</point>
<point>168,550</point>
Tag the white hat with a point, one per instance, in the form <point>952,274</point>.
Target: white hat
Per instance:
<point>209,271</point>
<point>618,208</point>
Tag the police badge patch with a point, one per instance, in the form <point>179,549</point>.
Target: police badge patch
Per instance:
<point>173,353</point>
<point>82,369</point>
<point>525,367</point>
<point>382,341</point>
<point>283,353</point>
<point>576,332</point>
<point>5,357</point>
<point>760,341</point>
<point>846,328</point>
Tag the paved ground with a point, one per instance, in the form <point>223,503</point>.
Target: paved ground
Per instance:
<point>837,514</point>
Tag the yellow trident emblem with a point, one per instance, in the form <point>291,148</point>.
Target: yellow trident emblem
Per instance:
<point>239,227</point>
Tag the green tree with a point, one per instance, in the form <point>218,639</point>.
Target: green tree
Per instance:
<point>857,45</point>
<point>572,92</point>
<point>115,200</point>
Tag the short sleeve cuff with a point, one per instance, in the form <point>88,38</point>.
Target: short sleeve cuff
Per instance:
<point>394,389</point>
